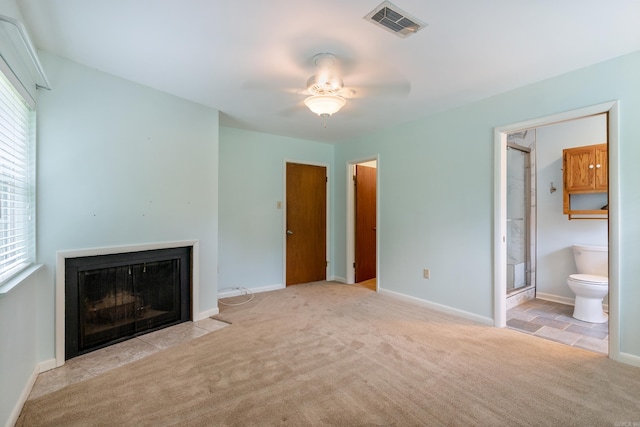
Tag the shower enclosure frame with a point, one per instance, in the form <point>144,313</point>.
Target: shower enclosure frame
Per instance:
<point>529,216</point>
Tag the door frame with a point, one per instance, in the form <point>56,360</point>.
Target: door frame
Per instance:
<point>284,215</point>
<point>500,211</point>
<point>351,226</point>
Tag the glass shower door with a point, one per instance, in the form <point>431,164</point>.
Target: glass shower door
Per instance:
<point>518,210</point>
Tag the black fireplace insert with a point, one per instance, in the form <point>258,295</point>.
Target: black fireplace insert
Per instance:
<point>112,298</point>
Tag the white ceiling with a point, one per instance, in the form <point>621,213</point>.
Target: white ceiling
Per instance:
<point>247,57</point>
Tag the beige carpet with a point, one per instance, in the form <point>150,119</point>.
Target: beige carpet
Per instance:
<point>332,354</point>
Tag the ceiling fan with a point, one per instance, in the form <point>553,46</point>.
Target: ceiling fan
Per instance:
<point>326,89</point>
<point>325,92</point>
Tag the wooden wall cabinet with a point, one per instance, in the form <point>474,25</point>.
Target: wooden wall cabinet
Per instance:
<point>584,172</point>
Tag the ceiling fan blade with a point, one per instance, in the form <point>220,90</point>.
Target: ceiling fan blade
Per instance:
<point>272,87</point>
<point>393,89</point>
<point>291,111</point>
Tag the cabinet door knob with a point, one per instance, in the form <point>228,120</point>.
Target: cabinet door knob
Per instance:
<point>590,166</point>
<point>598,166</point>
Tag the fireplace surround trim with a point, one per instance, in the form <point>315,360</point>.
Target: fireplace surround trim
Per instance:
<point>61,257</point>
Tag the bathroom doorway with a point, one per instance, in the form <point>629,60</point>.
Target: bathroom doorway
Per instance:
<point>552,231</point>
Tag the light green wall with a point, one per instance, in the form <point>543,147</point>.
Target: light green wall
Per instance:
<point>436,190</point>
<point>118,164</point>
<point>251,183</point>
<point>435,183</point>
<point>18,342</point>
<point>122,164</point>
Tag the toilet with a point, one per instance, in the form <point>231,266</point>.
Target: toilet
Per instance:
<point>591,283</point>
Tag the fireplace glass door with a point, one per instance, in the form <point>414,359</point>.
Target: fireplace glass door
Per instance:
<point>121,299</point>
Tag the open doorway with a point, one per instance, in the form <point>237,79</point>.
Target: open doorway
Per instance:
<point>362,214</point>
<point>556,233</point>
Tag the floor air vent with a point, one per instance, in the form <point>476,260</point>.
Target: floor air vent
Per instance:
<point>391,18</point>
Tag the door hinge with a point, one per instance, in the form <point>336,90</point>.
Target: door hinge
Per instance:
<point>326,179</point>
<point>326,263</point>
<point>354,265</point>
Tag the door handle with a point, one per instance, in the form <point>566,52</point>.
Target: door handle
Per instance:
<point>289,232</point>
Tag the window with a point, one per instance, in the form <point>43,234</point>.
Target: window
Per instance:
<point>17,173</point>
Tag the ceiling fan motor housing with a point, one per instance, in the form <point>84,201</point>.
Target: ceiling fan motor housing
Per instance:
<point>324,87</point>
<point>319,84</point>
<point>326,81</point>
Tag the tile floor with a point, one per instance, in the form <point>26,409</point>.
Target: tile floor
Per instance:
<point>97,362</point>
<point>554,321</point>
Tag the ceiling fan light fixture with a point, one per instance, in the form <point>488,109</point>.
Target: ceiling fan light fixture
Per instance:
<point>325,105</point>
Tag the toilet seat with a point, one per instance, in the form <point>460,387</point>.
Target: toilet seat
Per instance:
<point>589,279</point>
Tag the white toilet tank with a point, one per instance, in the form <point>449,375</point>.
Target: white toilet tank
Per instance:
<point>591,259</point>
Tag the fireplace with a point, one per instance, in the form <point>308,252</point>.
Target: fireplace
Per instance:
<point>114,297</point>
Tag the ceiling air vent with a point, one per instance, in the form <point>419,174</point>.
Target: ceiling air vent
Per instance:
<point>394,19</point>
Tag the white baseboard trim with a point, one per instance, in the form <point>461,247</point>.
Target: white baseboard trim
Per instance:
<point>627,358</point>
<point>235,291</point>
<point>439,307</point>
<point>563,300</point>
<point>47,365</point>
<point>555,298</point>
<point>339,279</point>
<point>15,413</point>
<point>206,313</point>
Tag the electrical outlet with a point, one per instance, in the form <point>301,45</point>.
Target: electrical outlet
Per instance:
<point>426,273</point>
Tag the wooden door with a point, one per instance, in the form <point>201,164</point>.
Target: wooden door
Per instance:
<point>306,233</point>
<point>365,228</point>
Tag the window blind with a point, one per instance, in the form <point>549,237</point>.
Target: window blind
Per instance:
<point>17,234</point>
